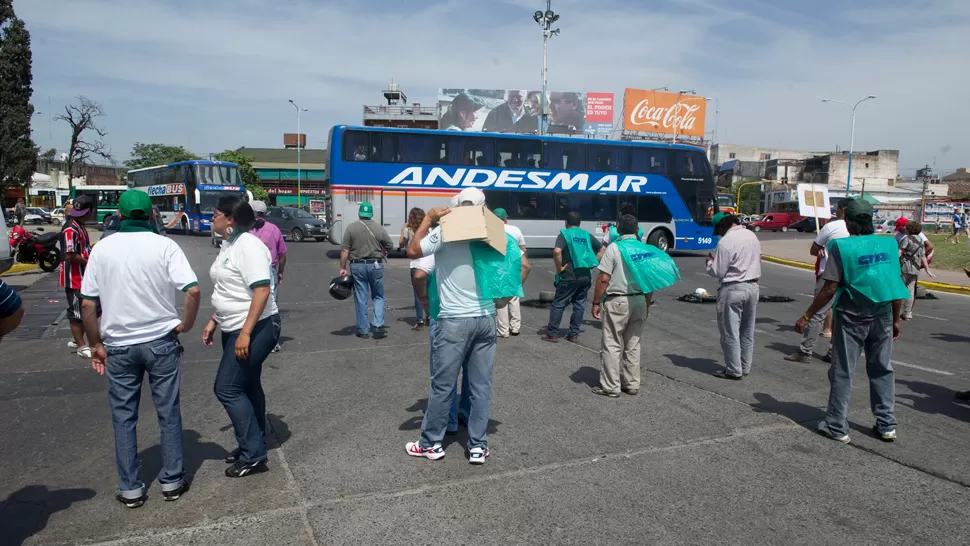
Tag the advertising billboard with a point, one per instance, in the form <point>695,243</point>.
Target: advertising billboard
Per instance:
<point>519,111</point>
<point>660,112</point>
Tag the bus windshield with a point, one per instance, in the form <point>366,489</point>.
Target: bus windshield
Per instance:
<point>208,200</point>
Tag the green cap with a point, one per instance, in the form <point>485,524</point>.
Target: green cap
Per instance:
<point>366,210</point>
<point>859,210</point>
<point>132,201</point>
<point>718,217</point>
<point>501,213</point>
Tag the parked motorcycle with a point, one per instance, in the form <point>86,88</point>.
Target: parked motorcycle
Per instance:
<point>33,248</point>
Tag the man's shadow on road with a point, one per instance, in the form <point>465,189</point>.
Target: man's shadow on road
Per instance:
<point>25,512</point>
<point>194,453</point>
<point>802,414</point>
<point>933,400</point>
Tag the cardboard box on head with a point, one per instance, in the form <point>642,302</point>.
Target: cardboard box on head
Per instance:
<point>474,223</point>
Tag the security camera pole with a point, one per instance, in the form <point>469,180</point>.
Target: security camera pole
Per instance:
<point>545,21</point>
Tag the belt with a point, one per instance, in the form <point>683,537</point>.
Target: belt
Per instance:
<point>609,296</point>
<point>752,281</point>
<point>367,261</point>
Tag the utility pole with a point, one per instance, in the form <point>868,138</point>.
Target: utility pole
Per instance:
<point>545,21</point>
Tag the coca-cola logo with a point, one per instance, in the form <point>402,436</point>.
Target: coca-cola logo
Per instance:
<point>684,116</point>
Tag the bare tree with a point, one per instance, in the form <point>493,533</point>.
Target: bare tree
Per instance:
<point>86,135</point>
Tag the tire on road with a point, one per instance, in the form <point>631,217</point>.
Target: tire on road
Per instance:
<point>296,235</point>
<point>660,238</point>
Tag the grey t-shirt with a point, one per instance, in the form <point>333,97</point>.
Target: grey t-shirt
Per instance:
<point>852,304</point>
<point>912,248</point>
<point>569,274</point>
<point>364,244</point>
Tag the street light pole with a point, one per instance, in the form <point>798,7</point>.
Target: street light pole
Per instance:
<point>545,21</point>
<point>848,178</point>
<point>299,174</point>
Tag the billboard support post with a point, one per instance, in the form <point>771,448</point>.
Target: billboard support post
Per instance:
<point>545,21</point>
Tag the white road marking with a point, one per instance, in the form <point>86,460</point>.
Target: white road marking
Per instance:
<point>914,366</point>
<point>806,295</point>
<point>931,318</point>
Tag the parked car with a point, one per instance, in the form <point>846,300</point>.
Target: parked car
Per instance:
<point>58,216</point>
<point>808,224</point>
<point>774,221</point>
<point>42,213</point>
<point>884,226</point>
<point>296,224</point>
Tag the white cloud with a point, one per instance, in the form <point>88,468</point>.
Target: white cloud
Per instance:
<point>216,72</point>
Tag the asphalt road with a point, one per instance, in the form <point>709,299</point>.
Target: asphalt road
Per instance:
<point>691,460</point>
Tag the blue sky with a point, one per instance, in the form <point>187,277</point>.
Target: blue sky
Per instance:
<point>217,74</point>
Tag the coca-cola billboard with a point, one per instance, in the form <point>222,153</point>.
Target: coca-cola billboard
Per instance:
<point>667,113</point>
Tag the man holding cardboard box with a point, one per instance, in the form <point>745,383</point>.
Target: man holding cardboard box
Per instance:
<point>471,252</point>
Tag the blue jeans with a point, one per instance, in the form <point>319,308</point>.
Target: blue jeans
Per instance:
<point>465,403</point>
<point>850,337</point>
<point>417,302</point>
<point>460,343</point>
<point>575,292</point>
<point>368,276</point>
<point>126,368</point>
<point>240,390</point>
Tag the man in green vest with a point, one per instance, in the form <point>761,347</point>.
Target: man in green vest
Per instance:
<point>576,254</point>
<point>863,275</point>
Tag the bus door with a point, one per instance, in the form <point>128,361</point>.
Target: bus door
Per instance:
<point>692,177</point>
<point>393,213</point>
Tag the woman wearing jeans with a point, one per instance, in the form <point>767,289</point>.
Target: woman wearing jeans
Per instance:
<point>249,321</point>
<point>415,217</point>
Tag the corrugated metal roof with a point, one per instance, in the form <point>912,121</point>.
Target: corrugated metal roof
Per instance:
<point>284,155</point>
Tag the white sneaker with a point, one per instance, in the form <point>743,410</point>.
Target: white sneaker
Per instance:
<point>72,344</point>
<point>84,352</point>
<point>278,348</point>
<point>823,429</point>
<point>434,453</point>
<point>477,455</point>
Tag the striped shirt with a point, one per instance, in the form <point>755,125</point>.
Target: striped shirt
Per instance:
<point>74,239</point>
<point>9,300</point>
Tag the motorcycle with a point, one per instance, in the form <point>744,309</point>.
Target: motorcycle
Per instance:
<point>38,249</point>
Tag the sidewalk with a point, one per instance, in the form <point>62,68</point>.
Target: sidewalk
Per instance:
<point>795,253</point>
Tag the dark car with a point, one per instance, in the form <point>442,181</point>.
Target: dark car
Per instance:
<point>297,224</point>
<point>113,222</point>
<point>808,224</point>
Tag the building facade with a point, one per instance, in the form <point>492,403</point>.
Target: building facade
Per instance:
<point>722,153</point>
<point>289,180</point>
<point>398,113</point>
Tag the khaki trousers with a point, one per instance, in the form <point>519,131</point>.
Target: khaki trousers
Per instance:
<point>508,317</point>
<point>623,318</point>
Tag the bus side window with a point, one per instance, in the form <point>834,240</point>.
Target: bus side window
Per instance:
<point>519,153</point>
<point>470,151</point>
<point>591,208</point>
<point>385,148</point>
<point>653,209</point>
<point>497,199</point>
<point>533,206</point>
<point>648,161</point>
<point>562,156</point>
<point>422,149</point>
<point>356,145</point>
<point>604,158</point>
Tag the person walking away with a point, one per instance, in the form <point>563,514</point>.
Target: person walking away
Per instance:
<point>911,259</point>
<point>611,233</point>
<point>928,251</point>
<point>509,317</point>
<point>415,217</point>
<point>20,211</point>
<point>629,272</point>
<point>864,277</point>
<point>957,227</point>
<point>134,275</point>
<point>831,231</point>
<point>272,237</point>
<point>11,309</point>
<point>75,249</point>
<point>736,264</point>
<point>364,246</point>
<point>464,329</point>
<point>249,320</point>
<point>575,255</point>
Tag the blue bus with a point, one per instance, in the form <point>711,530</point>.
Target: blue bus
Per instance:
<point>186,192</point>
<point>537,179</point>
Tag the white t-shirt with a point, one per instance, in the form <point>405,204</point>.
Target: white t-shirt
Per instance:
<point>831,231</point>
<point>516,234</point>
<point>135,275</point>
<point>457,288</point>
<point>425,264</point>
<point>243,263</point>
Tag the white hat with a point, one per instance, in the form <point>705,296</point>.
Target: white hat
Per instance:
<point>258,207</point>
<point>473,195</point>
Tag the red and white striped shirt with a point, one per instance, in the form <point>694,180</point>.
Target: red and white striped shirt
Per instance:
<point>74,239</point>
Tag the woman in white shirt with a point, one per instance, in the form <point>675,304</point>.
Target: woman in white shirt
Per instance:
<point>249,321</point>
<point>415,217</point>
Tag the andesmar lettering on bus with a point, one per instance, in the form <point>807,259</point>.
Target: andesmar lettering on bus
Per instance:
<point>523,180</point>
<point>685,114</point>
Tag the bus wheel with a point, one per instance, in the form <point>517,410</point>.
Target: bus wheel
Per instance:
<point>296,235</point>
<point>185,226</point>
<point>660,239</point>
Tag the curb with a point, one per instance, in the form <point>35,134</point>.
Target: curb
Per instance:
<point>942,287</point>
<point>21,268</point>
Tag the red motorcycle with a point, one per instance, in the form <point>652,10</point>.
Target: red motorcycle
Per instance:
<point>34,248</point>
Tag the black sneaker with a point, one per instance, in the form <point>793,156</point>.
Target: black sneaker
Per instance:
<point>240,469</point>
<point>174,494</point>
<point>132,503</point>
<point>363,336</point>
<point>233,456</point>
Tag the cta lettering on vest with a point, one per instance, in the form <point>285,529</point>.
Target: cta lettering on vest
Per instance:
<point>518,179</point>
<point>873,259</point>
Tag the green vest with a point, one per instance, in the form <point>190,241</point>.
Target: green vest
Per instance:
<point>870,269</point>
<point>615,235</point>
<point>650,267</point>
<point>496,276</point>
<point>580,248</point>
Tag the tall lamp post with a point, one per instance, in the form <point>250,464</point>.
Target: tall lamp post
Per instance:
<point>299,175</point>
<point>545,21</point>
<point>848,178</point>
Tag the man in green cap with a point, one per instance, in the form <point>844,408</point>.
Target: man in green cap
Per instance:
<point>133,274</point>
<point>508,319</point>
<point>863,275</point>
<point>736,264</point>
<point>364,247</point>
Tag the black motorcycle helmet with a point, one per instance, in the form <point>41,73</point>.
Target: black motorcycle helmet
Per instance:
<point>341,287</point>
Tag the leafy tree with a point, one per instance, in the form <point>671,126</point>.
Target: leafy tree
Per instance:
<point>246,171</point>
<point>18,155</point>
<point>49,155</point>
<point>750,198</point>
<point>151,155</point>
<point>87,137</point>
